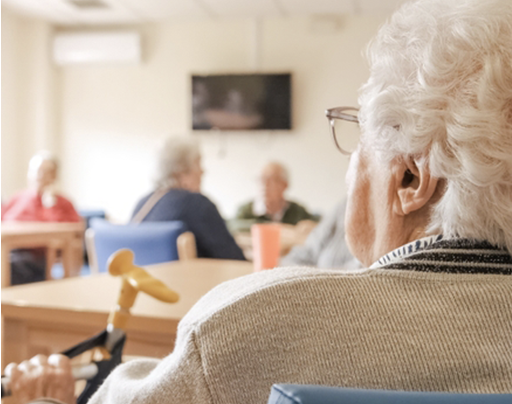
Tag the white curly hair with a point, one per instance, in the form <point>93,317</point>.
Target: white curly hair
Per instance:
<point>38,159</point>
<point>177,156</point>
<point>440,91</point>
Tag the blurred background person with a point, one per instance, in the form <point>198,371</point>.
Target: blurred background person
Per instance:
<point>325,246</point>
<point>271,205</point>
<point>38,203</point>
<point>178,197</point>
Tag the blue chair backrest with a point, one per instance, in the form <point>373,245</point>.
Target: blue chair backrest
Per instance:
<point>89,214</point>
<point>152,242</point>
<point>310,394</point>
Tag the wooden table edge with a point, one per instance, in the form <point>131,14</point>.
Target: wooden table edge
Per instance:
<point>86,318</point>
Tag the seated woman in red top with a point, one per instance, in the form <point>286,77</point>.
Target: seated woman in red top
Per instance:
<point>38,203</point>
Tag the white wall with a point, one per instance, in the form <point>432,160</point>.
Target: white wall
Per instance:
<point>112,118</point>
<point>28,97</point>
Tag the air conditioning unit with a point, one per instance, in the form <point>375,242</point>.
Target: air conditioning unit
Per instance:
<point>97,47</point>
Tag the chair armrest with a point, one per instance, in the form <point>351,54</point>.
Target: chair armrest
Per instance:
<point>187,249</point>
<point>91,251</point>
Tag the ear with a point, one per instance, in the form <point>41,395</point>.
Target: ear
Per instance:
<point>415,186</point>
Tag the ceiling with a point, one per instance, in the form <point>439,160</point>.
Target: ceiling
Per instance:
<point>111,12</point>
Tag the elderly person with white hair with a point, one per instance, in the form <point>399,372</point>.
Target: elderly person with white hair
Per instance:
<point>178,197</point>
<point>38,203</point>
<point>271,205</point>
<point>429,211</point>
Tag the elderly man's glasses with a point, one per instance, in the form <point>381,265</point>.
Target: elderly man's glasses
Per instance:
<point>344,132</point>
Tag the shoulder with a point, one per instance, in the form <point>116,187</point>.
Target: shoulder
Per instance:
<point>64,210</point>
<point>274,285</point>
<point>246,208</point>
<point>26,194</point>
<point>247,205</point>
<point>285,290</point>
<point>200,198</point>
<point>185,196</point>
<point>144,199</point>
<point>198,202</point>
<point>296,212</point>
<point>63,201</point>
<point>177,196</point>
<point>292,205</point>
<point>199,206</point>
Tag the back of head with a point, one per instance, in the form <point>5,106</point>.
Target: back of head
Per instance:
<point>176,157</point>
<point>440,91</point>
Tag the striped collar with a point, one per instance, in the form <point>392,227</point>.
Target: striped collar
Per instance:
<point>435,254</point>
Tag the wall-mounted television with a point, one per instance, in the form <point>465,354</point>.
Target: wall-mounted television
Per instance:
<point>241,102</point>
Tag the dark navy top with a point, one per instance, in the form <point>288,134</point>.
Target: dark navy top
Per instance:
<point>201,217</point>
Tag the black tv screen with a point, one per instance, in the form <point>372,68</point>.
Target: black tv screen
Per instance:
<point>241,102</point>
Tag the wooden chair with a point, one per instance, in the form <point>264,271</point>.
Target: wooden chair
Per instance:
<point>54,256</point>
<point>91,251</point>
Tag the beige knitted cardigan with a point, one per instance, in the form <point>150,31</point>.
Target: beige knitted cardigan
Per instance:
<point>385,329</point>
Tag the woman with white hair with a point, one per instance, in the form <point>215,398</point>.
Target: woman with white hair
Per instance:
<point>429,211</point>
<point>177,197</point>
<point>38,203</point>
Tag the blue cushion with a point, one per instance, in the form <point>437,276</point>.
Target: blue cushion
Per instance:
<point>310,394</point>
<point>152,242</point>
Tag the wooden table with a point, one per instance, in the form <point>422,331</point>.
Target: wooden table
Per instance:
<point>48,317</point>
<point>67,237</point>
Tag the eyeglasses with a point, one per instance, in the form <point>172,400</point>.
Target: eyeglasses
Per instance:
<point>346,136</point>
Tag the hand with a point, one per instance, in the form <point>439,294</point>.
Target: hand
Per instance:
<point>42,377</point>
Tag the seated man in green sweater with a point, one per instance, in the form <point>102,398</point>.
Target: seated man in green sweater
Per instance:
<point>271,205</point>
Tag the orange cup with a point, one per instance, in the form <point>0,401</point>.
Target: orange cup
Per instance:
<point>266,245</point>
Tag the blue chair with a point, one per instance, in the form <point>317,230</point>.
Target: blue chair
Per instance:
<point>311,394</point>
<point>152,242</point>
<point>55,266</point>
<point>89,214</point>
